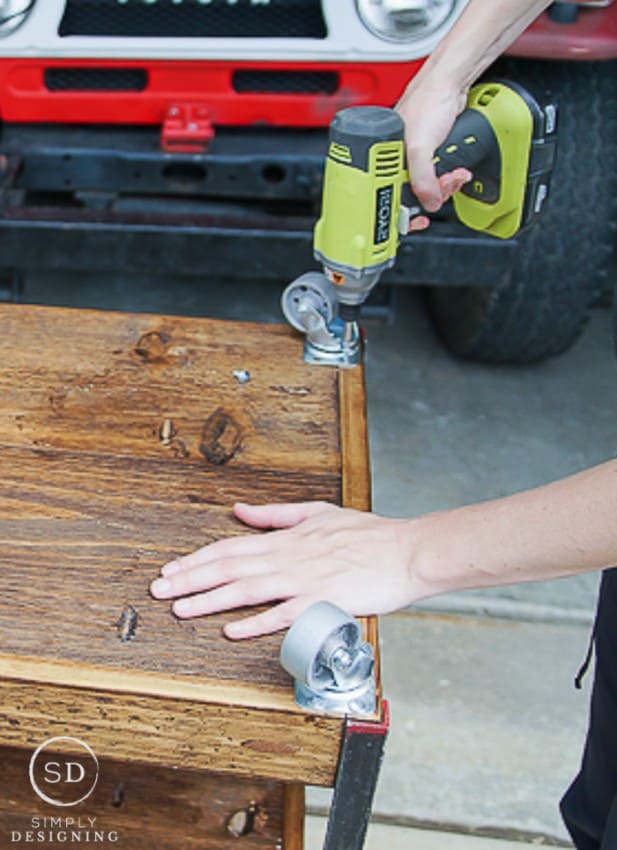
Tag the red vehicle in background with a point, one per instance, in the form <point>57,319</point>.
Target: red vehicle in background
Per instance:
<point>189,135</point>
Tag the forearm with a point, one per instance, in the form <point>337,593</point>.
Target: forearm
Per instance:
<point>484,30</point>
<point>438,93</point>
<point>368,564</point>
<point>561,529</point>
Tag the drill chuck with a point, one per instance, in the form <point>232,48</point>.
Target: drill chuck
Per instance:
<point>349,312</point>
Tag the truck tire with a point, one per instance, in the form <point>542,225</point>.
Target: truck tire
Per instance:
<point>563,262</point>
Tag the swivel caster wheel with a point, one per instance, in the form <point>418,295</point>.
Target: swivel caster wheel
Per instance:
<point>332,666</point>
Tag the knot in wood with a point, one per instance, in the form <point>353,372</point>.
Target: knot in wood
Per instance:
<point>152,346</point>
<point>220,437</point>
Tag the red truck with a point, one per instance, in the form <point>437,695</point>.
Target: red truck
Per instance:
<point>189,136</point>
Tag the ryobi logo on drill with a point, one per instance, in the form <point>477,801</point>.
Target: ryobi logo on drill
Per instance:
<point>384,214</point>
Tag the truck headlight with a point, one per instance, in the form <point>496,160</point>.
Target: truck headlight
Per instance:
<point>404,20</point>
<point>13,13</point>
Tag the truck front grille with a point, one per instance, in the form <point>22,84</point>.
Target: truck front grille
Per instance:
<point>95,79</point>
<point>194,18</point>
<point>285,82</point>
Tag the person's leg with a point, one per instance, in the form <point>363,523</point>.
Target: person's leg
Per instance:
<point>609,841</point>
<point>589,807</point>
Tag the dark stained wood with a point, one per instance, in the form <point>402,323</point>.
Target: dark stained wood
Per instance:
<point>293,817</point>
<point>73,379</point>
<point>104,552</point>
<point>270,739</point>
<point>124,441</point>
<point>150,807</point>
<point>93,501</point>
<point>356,476</point>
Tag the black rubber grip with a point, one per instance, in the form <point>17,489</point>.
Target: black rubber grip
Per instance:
<point>470,142</point>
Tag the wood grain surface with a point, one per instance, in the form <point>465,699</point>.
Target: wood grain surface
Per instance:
<point>153,808</point>
<point>92,502</point>
<point>291,746</point>
<point>124,440</point>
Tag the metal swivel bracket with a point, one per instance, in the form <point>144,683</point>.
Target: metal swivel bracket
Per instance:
<point>310,306</point>
<point>333,668</point>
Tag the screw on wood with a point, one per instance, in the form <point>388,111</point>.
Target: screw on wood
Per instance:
<point>127,624</point>
<point>117,795</point>
<point>167,431</point>
<point>241,822</point>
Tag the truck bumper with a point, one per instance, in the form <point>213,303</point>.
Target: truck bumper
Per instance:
<point>235,244</point>
<point>592,35</point>
<point>109,200</point>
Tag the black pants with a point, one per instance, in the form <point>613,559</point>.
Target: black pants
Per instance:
<point>589,807</point>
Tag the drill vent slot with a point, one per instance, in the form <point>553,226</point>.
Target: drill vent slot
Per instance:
<point>340,153</point>
<point>388,161</point>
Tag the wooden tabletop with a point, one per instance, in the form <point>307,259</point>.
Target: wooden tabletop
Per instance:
<point>124,441</point>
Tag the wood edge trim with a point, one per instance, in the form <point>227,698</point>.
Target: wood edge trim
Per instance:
<point>294,810</point>
<point>277,328</point>
<point>356,474</point>
<point>274,732</point>
<point>108,679</point>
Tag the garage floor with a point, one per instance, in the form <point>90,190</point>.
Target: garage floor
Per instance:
<point>487,727</point>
